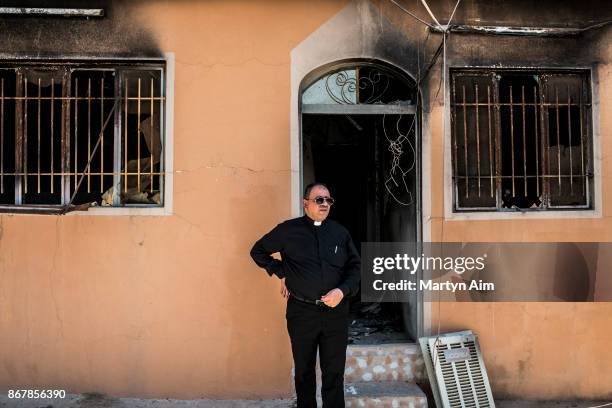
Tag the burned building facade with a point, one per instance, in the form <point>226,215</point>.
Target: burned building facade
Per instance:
<point>170,135</point>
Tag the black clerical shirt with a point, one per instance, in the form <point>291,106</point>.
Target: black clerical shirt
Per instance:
<point>315,259</point>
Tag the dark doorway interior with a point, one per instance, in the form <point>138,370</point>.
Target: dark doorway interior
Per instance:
<point>370,164</point>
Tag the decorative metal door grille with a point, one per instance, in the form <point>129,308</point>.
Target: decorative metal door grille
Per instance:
<point>363,89</point>
<point>521,140</point>
<point>76,134</point>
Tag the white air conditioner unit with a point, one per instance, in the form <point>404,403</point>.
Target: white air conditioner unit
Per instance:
<point>456,371</point>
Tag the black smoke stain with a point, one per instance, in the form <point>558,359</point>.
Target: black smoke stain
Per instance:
<point>119,34</point>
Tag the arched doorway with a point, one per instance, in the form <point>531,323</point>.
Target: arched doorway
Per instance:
<point>360,135</point>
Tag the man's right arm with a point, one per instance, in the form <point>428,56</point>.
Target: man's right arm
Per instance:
<point>264,248</point>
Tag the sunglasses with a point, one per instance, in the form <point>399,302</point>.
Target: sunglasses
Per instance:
<point>319,200</point>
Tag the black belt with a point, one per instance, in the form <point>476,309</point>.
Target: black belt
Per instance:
<point>317,302</point>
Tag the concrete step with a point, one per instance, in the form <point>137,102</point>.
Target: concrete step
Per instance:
<point>388,394</point>
<point>377,375</point>
<point>384,362</point>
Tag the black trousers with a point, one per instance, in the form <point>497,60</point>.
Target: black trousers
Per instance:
<point>313,327</point>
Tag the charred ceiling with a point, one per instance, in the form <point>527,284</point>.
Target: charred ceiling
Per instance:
<point>527,13</point>
<point>120,33</point>
<point>580,50</point>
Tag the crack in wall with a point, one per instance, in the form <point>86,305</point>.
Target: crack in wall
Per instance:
<point>225,166</point>
<point>50,275</point>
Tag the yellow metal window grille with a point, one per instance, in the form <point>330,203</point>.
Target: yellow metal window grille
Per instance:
<point>76,135</point>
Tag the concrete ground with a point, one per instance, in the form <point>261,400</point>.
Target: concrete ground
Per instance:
<point>93,400</point>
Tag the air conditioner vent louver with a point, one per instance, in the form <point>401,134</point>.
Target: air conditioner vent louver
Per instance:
<point>456,371</point>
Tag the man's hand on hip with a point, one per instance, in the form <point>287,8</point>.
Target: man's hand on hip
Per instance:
<point>283,289</point>
<point>333,297</point>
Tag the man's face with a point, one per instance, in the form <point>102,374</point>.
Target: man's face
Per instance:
<point>317,212</point>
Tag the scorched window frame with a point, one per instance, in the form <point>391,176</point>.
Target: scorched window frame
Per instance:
<point>542,109</point>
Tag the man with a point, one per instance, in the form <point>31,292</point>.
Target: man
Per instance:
<point>321,269</point>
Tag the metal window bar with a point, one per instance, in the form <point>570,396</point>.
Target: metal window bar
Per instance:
<point>535,129</point>
<point>18,138</point>
<point>38,135</point>
<point>465,146</point>
<point>569,130</point>
<point>65,140</point>
<point>138,135</point>
<point>162,136</point>
<point>102,135</point>
<point>498,141</point>
<point>490,142</point>
<point>558,137</point>
<point>544,141</point>
<point>582,141</point>
<point>477,137</point>
<point>152,130</point>
<point>88,132</point>
<point>116,200</point>
<point>125,138</point>
<point>585,92</point>
<point>524,142</point>
<point>76,130</point>
<point>455,161</point>
<point>537,149</point>
<point>25,134</point>
<point>52,139</point>
<point>512,140</point>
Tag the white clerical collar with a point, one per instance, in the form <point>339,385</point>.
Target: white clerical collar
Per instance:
<point>317,223</point>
